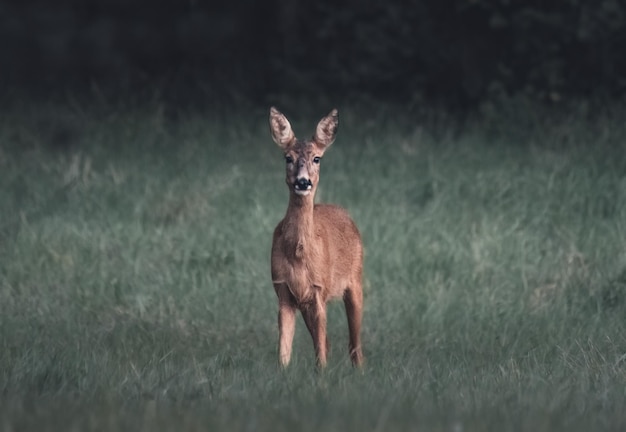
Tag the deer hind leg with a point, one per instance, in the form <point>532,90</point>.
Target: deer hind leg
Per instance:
<point>286,324</point>
<point>353,301</point>
<point>314,315</point>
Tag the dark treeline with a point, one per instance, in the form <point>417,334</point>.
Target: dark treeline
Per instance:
<point>456,51</point>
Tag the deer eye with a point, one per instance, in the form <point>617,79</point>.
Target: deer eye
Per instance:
<point>317,159</point>
<point>288,159</point>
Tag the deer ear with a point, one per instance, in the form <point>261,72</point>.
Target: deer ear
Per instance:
<point>327,129</point>
<point>281,129</point>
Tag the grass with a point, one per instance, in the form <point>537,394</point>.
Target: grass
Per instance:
<point>134,272</point>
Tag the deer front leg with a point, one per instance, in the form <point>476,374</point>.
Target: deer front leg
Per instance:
<point>314,315</point>
<point>286,323</point>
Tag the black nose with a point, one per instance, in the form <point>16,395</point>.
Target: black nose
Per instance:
<point>303,183</point>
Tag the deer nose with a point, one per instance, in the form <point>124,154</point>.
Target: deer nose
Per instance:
<point>303,183</point>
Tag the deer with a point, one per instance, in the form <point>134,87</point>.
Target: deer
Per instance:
<point>317,252</point>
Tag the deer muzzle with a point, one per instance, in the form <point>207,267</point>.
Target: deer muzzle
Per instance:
<point>303,186</point>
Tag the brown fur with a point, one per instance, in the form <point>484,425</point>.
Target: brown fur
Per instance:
<point>317,254</point>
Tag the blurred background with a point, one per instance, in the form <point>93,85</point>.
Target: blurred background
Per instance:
<point>482,154</point>
<point>451,53</point>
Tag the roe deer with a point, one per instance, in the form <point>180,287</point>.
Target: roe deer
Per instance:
<point>317,252</point>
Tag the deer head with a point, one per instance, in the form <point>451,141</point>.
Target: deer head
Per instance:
<point>303,157</point>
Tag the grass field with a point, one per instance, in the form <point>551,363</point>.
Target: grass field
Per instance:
<point>134,271</point>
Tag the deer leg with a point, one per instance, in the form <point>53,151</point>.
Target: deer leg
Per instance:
<point>286,324</point>
<point>314,315</point>
<point>353,301</point>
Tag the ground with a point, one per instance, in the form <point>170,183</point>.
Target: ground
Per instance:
<point>134,271</point>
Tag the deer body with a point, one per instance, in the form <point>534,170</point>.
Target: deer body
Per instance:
<point>317,253</point>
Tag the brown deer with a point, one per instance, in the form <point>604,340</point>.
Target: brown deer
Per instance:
<point>317,254</point>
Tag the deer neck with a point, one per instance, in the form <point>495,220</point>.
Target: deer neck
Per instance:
<point>299,230</point>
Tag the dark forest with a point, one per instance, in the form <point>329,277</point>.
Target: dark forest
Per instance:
<point>458,52</point>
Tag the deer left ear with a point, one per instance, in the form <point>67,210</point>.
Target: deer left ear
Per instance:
<point>281,129</point>
<point>327,129</point>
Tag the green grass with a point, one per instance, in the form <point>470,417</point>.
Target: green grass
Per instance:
<point>134,272</point>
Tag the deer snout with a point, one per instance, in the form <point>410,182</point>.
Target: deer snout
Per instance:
<point>303,184</point>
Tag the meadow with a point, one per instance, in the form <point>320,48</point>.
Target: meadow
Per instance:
<point>134,270</point>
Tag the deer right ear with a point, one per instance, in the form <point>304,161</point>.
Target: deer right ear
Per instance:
<point>281,129</point>
<point>327,129</point>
